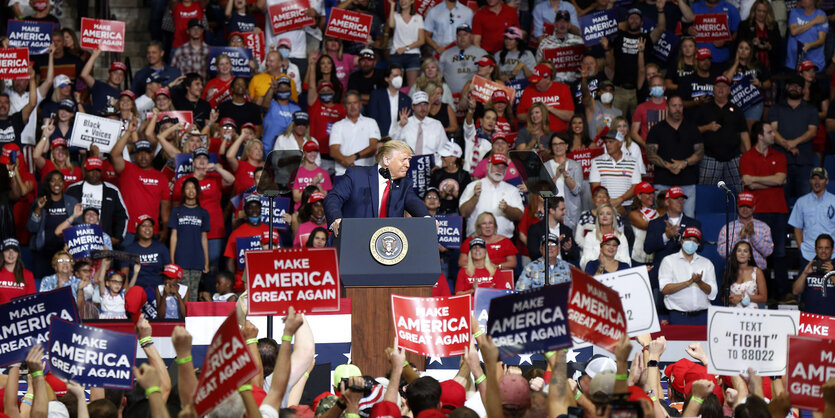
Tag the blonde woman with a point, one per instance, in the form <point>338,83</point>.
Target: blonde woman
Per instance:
<point>500,249</point>
<point>479,271</point>
<point>430,71</point>
<point>296,135</point>
<point>604,224</point>
<point>251,158</point>
<point>629,147</point>
<point>534,135</point>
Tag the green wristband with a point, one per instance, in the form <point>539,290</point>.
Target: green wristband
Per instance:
<point>621,376</point>
<point>36,373</point>
<point>352,415</point>
<point>288,338</point>
<point>549,354</point>
<point>578,395</point>
<point>478,333</point>
<point>252,341</point>
<point>481,379</point>
<point>29,396</point>
<point>697,399</point>
<point>184,360</point>
<point>145,340</point>
<point>152,389</point>
<point>245,388</point>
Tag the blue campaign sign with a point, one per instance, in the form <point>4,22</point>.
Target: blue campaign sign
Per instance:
<point>240,58</point>
<point>595,26</point>
<point>91,356</point>
<point>483,296</point>
<point>420,168</point>
<point>25,321</point>
<point>243,244</point>
<point>83,239</point>
<point>449,230</point>
<point>37,36</point>
<point>744,94</point>
<point>533,321</point>
<point>518,85</point>
<point>281,205</point>
<point>184,164</point>
<point>665,46</point>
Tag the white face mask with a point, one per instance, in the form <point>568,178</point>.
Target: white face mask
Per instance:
<point>607,98</point>
<point>397,82</point>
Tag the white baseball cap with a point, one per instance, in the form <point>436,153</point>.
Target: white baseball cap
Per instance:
<point>450,149</point>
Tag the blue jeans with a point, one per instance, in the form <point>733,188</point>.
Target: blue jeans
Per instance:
<point>755,112</point>
<point>797,182</point>
<point>777,260</point>
<point>689,203</point>
<point>215,251</point>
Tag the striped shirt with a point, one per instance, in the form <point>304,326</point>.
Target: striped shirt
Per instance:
<point>615,176</point>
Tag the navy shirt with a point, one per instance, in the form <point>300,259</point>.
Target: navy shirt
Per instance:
<point>189,223</point>
<point>54,214</point>
<point>11,128</point>
<point>102,93</point>
<point>138,87</point>
<point>791,123</point>
<point>153,259</point>
<point>240,23</point>
<point>814,300</point>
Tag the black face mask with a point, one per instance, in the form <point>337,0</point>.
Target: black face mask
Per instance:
<point>282,95</point>
<point>794,95</point>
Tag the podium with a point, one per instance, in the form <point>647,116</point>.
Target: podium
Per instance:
<point>379,257</point>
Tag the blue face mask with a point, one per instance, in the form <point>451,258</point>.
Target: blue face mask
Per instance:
<point>656,91</point>
<point>326,98</point>
<point>285,53</point>
<point>283,95</point>
<point>689,247</point>
<point>254,219</point>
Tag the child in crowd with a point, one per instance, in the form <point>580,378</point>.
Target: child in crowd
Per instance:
<point>171,295</point>
<point>223,288</point>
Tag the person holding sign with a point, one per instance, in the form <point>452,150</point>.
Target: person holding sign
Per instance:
<point>687,281</point>
<point>103,93</point>
<point>721,49</point>
<point>818,290</point>
<point>11,125</point>
<point>105,197</point>
<point>559,39</point>
<point>15,280</point>
<point>59,155</point>
<point>533,276</point>
<point>251,227</point>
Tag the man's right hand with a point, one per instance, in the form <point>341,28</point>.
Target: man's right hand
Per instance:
<point>670,230</point>
<point>335,227</point>
<point>477,190</point>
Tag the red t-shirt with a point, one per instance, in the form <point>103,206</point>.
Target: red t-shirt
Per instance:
<point>143,190</point>
<point>210,195</point>
<point>231,251</point>
<point>557,96</point>
<point>491,26</point>
<point>528,218</point>
<point>217,91</point>
<point>71,175</point>
<point>497,251</point>
<point>244,176</point>
<point>321,119</point>
<point>108,173</point>
<point>482,278</point>
<point>182,14</point>
<point>752,163</point>
<point>10,289</point>
<point>441,287</point>
<point>648,114</point>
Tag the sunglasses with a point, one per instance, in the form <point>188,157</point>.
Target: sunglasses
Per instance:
<point>450,18</point>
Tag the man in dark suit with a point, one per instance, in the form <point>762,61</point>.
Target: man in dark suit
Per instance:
<point>365,192</point>
<point>379,104</point>
<point>664,233</point>
<point>556,212</point>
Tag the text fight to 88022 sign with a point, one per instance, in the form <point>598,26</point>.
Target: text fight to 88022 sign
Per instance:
<point>743,338</point>
<point>306,279</point>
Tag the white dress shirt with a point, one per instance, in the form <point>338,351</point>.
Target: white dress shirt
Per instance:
<point>489,200</point>
<point>484,146</point>
<point>394,109</point>
<point>287,141</point>
<point>676,269</point>
<point>353,138</point>
<point>434,136</point>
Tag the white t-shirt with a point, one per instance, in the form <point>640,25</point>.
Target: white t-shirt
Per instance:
<point>406,33</point>
<point>489,200</point>
<point>352,138</point>
<point>91,196</point>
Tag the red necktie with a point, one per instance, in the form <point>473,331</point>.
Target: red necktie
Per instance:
<point>385,200</point>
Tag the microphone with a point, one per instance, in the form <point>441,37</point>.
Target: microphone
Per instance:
<point>722,186</point>
<point>387,174</point>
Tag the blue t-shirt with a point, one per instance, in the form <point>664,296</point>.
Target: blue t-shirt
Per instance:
<point>101,94</point>
<point>798,17</point>
<point>813,299</point>
<point>153,259</point>
<point>240,23</point>
<point>276,121</point>
<point>719,54</point>
<point>189,223</point>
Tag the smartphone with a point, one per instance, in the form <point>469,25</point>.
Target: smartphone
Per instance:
<point>575,412</point>
<point>13,157</point>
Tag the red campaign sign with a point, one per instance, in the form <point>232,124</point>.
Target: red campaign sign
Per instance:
<point>423,6</point>
<point>483,89</point>
<point>818,326</point>
<point>14,63</point>
<point>567,58</point>
<point>289,15</point>
<point>584,157</point>
<point>306,279</point>
<point>436,327</point>
<point>105,35</point>
<point>255,41</point>
<point>349,25</point>
<point>712,27</point>
<point>183,116</point>
<point>227,366</point>
<point>811,363</point>
<point>595,312</point>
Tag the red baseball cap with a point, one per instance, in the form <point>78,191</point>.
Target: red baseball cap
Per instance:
<point>173,271</point>
<point>93,163</point>
<point>249,125</point>
<point>228,122</point>
<point>162,91</point>
<point>515,390</point>
<point>386,409</point>
<point>499,96</point>
<point>118,65</point>
<point>499,135</point>
<point>311,145</point>
<point>703,53</point>
<point>143,218</point>
<point>128,93</point>
<point>233,34</point>
<point>6,156</point>
<point>721,79</point>
<point>453,395</point>
<point>40,5</point>
<point>692,231</point>
<point>315,197</point>
<point>539,72</point>
<point>644,187</point>
<point>58,142</point>
<point>285,43</point>
<point>135,297</point>
<point>323,84</point>
<point>608,237</point>
<point>485,61</point>
<point>498,158</point>
<point>674,192</point>
<point>745,199</point>
<point>806,65</point>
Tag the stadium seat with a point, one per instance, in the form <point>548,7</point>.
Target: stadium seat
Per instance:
<point>709,200</point>
<point>829,165</point>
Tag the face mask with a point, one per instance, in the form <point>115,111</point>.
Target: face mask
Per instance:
<point>254,219</point>
<point>689,247</point>
<point>285,53</point>
<point>397,82</point>
<point>283,95</point>
<point>326,98</point>
<point>656,91</point>
<point>607,98</point>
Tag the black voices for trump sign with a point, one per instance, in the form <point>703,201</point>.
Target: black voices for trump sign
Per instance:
<point>25,321</point>
<point>90,130</point>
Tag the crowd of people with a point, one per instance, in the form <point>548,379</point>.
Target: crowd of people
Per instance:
<point>625,138</point>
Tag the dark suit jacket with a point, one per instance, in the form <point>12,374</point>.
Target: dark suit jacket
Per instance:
<point>357,195</point>
<point>537,231</point>
<point>378,108</point>
<point>654,242</point>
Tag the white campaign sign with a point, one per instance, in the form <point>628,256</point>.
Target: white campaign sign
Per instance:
<point>95,130</point>
<point>739,338</point>
<point>636,297</point>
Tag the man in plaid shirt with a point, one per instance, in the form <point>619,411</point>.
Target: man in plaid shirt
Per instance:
<point>192,57</point>
<point>746,228</point>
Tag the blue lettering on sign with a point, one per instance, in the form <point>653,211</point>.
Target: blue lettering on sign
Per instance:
<point>240,58</point>
<point>91,356</point>
<point>533,321</point>
<point>744,94</point>
<point>37,36</point>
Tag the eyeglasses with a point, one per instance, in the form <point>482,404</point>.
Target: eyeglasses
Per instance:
<point>431,196</point>
<point>559,144</point>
